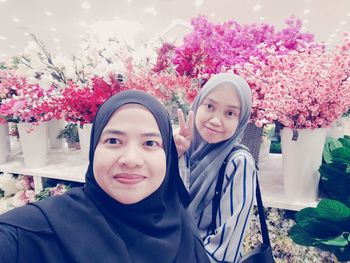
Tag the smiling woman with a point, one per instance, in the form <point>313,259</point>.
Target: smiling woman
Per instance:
<point>132,207</point>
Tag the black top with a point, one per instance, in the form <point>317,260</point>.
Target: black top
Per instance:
<point>87,225</point>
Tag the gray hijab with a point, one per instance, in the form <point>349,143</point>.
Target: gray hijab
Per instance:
<point>206,159</point>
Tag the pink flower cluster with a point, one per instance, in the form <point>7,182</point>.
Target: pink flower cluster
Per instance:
<point>162,85</point>
<point>27,103</point>
<point>26,192</point>
<point>212,48</point>
<point>309,88</point>
<point>80,104</point>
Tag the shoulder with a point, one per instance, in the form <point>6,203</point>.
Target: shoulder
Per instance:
<point>27,217</point>
<point>8,241</point>
<point>241,157</point>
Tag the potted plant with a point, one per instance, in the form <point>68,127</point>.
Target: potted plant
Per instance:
<point>70,134</point>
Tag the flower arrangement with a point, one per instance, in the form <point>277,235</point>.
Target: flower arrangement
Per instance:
<point>304,89</point>
<point>168,87</point>
<point>18,190</point>
<point>212,48</point>
<point>80,104</point>
<point>30,104</point>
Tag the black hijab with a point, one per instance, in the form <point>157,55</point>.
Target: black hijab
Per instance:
<point>90,226</point>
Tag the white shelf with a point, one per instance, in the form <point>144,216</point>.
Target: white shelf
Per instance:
<point>69,165</point>
<point>62,164</point>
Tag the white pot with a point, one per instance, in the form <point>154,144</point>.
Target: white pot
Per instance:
<point>33,139</point>
<point>54,128</point>
<point>5,142</point>
<point>337,129</point>
<point>84,139</point>
<point>264,147</point>
<point>301,161</point>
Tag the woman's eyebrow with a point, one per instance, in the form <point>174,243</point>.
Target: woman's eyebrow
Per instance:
<point>118,132</point>
<point>216,102</point>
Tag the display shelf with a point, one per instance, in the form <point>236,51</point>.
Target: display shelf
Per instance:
<point>69,165</point>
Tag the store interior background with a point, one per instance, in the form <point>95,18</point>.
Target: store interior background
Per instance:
<point>62,25</point>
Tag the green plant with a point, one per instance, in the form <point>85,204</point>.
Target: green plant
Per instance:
<point>70,132</point>
<point>335,169</point>
<point>327,227</point>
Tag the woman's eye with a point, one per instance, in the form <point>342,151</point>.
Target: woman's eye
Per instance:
<point>231,114</point>
<point>151,143</point>
<point>112,141</point>
<point>209,106</point>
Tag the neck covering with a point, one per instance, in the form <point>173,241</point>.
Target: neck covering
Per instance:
<point>91,226</point>
<point>206,159</point>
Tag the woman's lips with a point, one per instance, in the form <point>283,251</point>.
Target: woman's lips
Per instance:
<point>212,130</point>
<point>129,178</point>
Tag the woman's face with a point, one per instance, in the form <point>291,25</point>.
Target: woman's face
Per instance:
<point>129,160</point>
<point>218,115</point>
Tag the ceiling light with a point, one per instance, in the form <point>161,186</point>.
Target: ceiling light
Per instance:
<point>2,38</point>
<point>26,34</point>
<point>256,8</point>
<point>15,19</point>
<point>12,46</point>
<point>58,48</point>
<point>333,35</point>
<point>305,21</point>
<point>82,23</point>
<point>262,18</point>
<point>151,10</point>
<point>53,29</point>
<point>306,11</point>
<point>48,13</point>
<point>212,14</point>
<point>85,5</point>
<point>337,30</point>
<point>348,14</point>
<point>343,22</point>
<point>56,40</point>
<point>198,3</point>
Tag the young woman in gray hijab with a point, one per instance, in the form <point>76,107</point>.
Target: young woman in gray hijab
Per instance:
<point>132,207</point>
<point>221,112</point>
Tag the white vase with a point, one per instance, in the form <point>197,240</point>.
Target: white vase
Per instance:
<point>347,125</point>
<point>301,160</point>
<point>84,139</point>
<point>5,142</point>
<point>54,128</point>
<point>33,139</point>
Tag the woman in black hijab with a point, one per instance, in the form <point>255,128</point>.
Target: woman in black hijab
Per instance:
<point>132,207</point>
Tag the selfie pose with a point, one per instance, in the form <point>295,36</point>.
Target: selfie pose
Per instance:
<point>209,144</point>
<point>132,207</point>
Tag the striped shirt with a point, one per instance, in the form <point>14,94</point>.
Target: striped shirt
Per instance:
<point>232,221</point>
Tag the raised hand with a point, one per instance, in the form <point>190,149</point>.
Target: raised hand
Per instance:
<point>183,135</point>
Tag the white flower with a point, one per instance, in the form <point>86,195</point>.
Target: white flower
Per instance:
<point>8,184</point>
<point>45,81</point>
<point>5,204</point>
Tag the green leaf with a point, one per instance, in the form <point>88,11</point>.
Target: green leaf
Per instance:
<point>306,214</point>
<point>321,228</point>
<point>329,146</point>
<point>333,210</point>
<point>339,241</point>
<point>301,237</point>
<point>345,142</point>
<point>342,154</point>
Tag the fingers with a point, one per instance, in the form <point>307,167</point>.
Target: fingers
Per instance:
<point>190,122</point>
<point>182,124</point>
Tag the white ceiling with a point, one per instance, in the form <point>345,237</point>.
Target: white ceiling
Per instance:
<point>61,24</point>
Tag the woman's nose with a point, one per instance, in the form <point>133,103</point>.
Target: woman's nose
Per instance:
<point>131,156</point>
<point>215,120</point>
